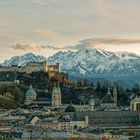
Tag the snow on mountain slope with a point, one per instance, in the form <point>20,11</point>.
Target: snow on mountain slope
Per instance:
<point>90,63</point>
<point>97,61</point>
<point>23,60</point>
<point>94,64</point>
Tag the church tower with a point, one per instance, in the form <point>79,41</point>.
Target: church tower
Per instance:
<point>56,96</point>
<point>115,94</point>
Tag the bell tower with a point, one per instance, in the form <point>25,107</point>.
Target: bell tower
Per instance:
<point>56,96</point>
<point>115,94</point>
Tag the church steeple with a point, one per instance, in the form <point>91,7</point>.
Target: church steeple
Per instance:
<point>115,94</point>
<point>108,92</point>
<point>56,96</point>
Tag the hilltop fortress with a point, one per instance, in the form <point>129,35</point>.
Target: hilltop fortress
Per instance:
<point>32,67</point>
<point>54,71</point>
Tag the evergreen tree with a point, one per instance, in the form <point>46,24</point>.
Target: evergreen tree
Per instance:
<point>136,88</point>
<point>98,87</point>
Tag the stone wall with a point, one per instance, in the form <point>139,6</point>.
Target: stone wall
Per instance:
<point>32,67</point>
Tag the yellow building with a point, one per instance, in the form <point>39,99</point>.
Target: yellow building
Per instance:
<point>69,123</point>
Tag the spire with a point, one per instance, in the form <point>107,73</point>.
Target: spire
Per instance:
<point>108,92</point>
<point>92,96</point>
<point>74,117</point>
<point>70,102</point>
<point>115,94</point>
<point>115,89</point>
<point>54,84</point>
<point>30,87</point>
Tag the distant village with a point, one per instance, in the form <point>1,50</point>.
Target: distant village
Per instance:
<point>40,101</point>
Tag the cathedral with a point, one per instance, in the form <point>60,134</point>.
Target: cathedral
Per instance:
<point>55,102</point>
<point>109,100</point>
<point>30,95</point>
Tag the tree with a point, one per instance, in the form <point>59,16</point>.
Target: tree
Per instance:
<point>82,99</point>
<point>18,95</point>
<point>79,84</point>
<point>136,88</point>
<point>98,87</point>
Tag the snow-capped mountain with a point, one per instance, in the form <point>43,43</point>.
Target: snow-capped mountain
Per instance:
<point>97,63</point>
<point>91,63</point>
<point>23,60</point>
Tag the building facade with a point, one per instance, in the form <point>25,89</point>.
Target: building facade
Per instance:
<point>109,118</point>
<point>32,67</point>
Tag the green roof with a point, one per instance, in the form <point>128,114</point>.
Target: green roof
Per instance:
<point>137,99</point>
<point>31,92</point>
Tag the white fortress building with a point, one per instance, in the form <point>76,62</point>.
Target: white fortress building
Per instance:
<point>32,67</point>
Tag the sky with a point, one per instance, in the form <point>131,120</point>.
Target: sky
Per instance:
<point>47,26</point>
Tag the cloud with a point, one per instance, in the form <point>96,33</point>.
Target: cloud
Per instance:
<point>11,37</point>
<point>52,37</point>
<point>24,46</point>
<point>32,46</point>
<point>112,40</point>
<point>8,51</point>
<point>35,2</point>
<point>101,42</point>
<point>50,47</point>
<point>40,2</point>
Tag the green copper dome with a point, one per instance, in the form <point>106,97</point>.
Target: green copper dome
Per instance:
<point>31,92</point>
<point>136,100</point>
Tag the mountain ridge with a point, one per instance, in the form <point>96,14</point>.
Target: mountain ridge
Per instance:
<point>90,63</point>
<point>23,60</point>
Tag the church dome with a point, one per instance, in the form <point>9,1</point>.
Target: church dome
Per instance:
<point>108,97</point>
<point>70,109</point>
<point>92,102</point>
<point>136,100</point>
<point>31,92</point>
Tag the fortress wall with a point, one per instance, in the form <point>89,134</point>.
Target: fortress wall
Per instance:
<point>12,69</point>
<point>33,67</point>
